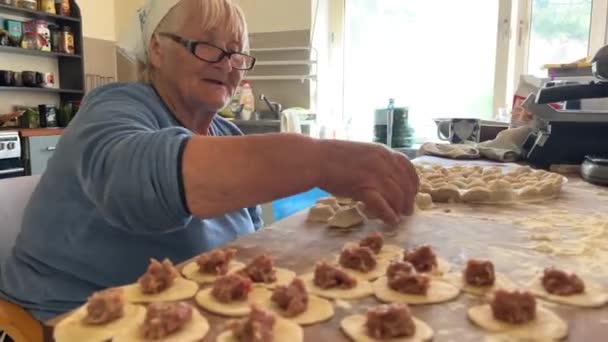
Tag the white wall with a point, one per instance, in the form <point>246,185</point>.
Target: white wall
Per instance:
<point>277,15</point>
<point>98,18</point>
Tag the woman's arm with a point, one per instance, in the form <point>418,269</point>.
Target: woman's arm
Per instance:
<point>222,174</point>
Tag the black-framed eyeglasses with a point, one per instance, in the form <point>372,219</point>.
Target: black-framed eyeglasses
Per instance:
<point>213,54</point>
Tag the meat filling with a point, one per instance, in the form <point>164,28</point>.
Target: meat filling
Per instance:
<point>327,277</point>
<point>164,319</point>
<point>357,258</point>
<point>479,273</point>
<point>104,307</point>
<point>513,307</point>
<point>562,284</point>
<point>423,258</point>
<point>260,270</point>
<point>390,321</point>
<point>373,241</point>
<point>412,283</point>
<point>399,267</point>
<point>258,327</point>
<point>158,277</point>
<point>231,288</point>
<point>292,299</point>
<point>216,262</point>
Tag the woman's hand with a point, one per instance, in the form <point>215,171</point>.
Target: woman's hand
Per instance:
<point>386,181</point>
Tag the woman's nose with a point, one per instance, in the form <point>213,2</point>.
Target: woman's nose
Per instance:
<point>224,64</point>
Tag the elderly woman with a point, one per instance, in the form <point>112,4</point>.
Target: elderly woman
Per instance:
<point>148,169</point>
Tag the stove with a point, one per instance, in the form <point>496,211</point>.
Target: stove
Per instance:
<point>11,164</point>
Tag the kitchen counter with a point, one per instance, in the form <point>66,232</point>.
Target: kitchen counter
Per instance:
<point>457,232</point>
<point>35,132</point>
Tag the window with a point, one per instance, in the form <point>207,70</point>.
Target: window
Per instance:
<point>445,58</point>
<point>434,62</point>
<point>559,32</point>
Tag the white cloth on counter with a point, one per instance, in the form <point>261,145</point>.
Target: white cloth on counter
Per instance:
<point>506,147</point>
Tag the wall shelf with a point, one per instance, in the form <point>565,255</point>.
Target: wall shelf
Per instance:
<point>32,52</point>
<point>278,63</point>
<point>43,90</point>
<point>282,78</point>
<point>293,48</point>
<point>70,67</point>
<point>33,14</point>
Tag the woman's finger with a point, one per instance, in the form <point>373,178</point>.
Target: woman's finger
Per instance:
<point>378,205</point>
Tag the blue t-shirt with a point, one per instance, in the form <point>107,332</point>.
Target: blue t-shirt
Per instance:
<point>111,198</point>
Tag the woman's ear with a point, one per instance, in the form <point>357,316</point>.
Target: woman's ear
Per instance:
<point>155,52</point>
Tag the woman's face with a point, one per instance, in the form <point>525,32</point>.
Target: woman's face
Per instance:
<point>199,84</point>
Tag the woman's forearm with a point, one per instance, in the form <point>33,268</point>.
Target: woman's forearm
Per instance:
<point>223,174</point>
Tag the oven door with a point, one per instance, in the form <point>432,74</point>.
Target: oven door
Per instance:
<point>10,173</point>
<point>10,168</point>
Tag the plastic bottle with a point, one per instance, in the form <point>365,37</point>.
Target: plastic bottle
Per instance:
<point>247,100</point>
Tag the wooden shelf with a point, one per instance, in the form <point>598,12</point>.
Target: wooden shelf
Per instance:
<point>43,90</point>
<point>32,14</point>
<point>32,52</point>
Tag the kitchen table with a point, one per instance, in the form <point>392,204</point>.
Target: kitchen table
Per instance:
<point>458,232</point>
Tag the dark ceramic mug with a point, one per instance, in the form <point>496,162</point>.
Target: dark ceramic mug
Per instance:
<point>7,78</point>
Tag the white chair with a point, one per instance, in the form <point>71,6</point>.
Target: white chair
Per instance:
<point>15,322</point>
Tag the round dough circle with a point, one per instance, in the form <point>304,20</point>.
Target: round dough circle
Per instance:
<point>73,329</point>
<point>354,327</point>
<point>258,295</point>
<point>443,267</point>
<point>195,330</point>
<point>389,252</point>
<point>501,282</point>
<point>439,292</point>
<point>377,272</point>
<point>284,277</point>
<point>283,330</point>
<point>361,290</point>
<point>593,297</point>
<point>180,290</point>
<point>191,272</point>
<point>546,325</point>
<point>319,310</point>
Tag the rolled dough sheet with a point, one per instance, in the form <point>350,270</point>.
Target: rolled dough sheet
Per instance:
<point>354,327</point>
<point>319,310</point>
<point>191,272</point>
<point>439,292</point>
<point>283,330</point>
<point>593,297</point>
<point>546,325</point>
<point>362,290</point>
<point>180,290</point>
<point>258,295</point>
<point>73,329</point>
<point>501,282</point>
<point>195,330</point>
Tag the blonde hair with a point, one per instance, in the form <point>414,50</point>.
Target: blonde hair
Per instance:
<point>211,14</point>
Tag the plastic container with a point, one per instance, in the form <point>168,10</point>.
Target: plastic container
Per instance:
<point>247,100</point>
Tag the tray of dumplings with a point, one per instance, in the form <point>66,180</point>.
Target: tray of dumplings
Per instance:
<point>493,184</point>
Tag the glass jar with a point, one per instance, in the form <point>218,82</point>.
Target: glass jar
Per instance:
<point>47,6</point>
<point>28,4</point>
<point>67,40</point>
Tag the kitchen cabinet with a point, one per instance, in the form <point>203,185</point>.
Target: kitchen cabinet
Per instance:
<point>38,152</point>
